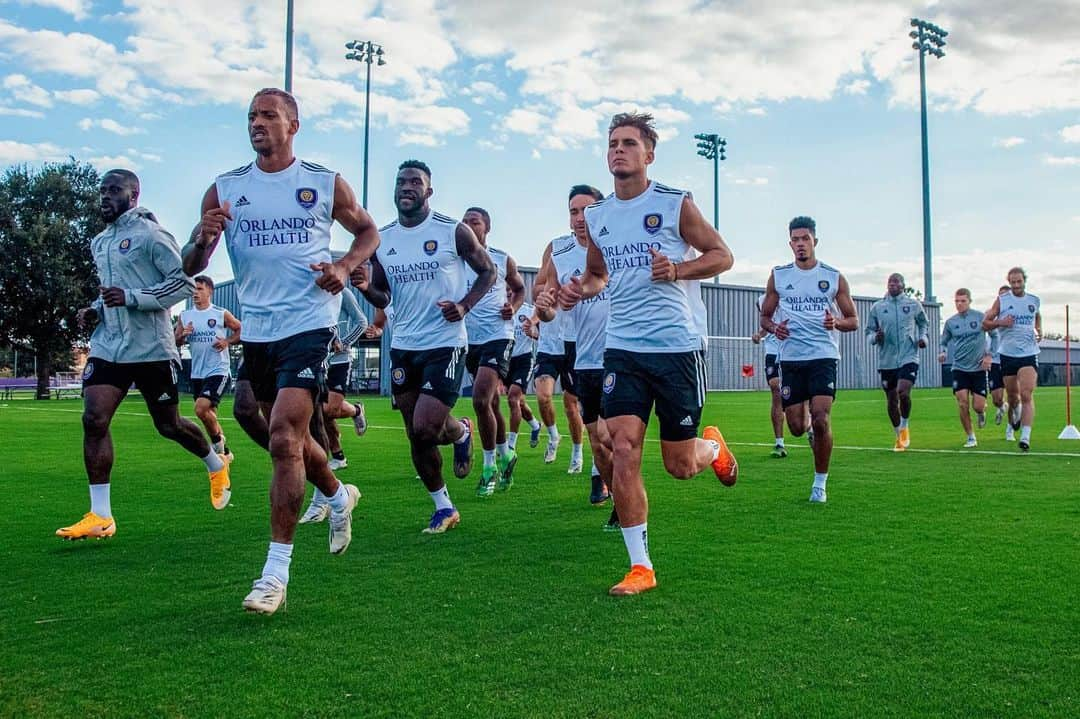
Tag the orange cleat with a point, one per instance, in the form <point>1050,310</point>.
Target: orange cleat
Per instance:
<point>91,525</point>
<point>639,579</point>
<point>725,466</point>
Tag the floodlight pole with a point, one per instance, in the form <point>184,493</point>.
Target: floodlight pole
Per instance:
<point>713,147</point>
<point>366,52</point>
<point>928,38</point>
<point>288,45</point>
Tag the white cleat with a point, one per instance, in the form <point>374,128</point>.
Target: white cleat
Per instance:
<point>341,524</point>
<point>335,464</point>
<point>575,466</point>
<point>817,495</point>
<point>981,419</point>
<point>971,442</point>
<point>267,595</point>
<point>551,451</point>
<point>1010,433</point>
<point>316,512</point>
<point>1000,414</point>
<point>360,420</point>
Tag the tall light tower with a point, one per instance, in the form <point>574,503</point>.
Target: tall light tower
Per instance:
<point>929,38</point>
<point>712,147</point>
<point>288,45</point>
<point>366,52</point>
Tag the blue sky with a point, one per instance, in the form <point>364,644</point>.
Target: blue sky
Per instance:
<point>508,103</point>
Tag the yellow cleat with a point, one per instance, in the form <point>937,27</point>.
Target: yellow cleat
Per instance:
<point>220,488</point>
<point>905,437</point>
<point>899,446</point>
<point>91,525</point>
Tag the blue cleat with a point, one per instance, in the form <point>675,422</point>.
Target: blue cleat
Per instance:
<point>599,494</point>
<point>534,437</point>
<point>463,453</point>
<point>443,520</point>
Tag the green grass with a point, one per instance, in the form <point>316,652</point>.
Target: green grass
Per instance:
<point>931,584</point>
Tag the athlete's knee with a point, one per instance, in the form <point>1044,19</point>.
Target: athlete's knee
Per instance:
<point>426,433</point>
<point>168,427</point>
<point>285,444</point>
<point>95,424</point>
<point>820,422</point>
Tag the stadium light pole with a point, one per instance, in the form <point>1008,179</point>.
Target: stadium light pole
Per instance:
<point>367,52</point>
<point>712,147</point>
<point>288,45</point>
<point>929,38</point>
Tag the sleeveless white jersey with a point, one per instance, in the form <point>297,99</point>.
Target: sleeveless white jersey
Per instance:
<point>209,326</point>
<point>1018,340</point>
<point>423,268</point>
<point>280,225</point>
<point>625,231</point>
<point>770,343</point>
<point>484,322</point>
<point>590,317</point>
<point>523,343</point>
<point>560,246</point>
<point>551,339</point>
<point>804,297</point>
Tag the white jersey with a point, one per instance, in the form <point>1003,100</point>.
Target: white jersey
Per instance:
<point>625,231</point>
<point>551,339</point>
<point>805,295</point>
<point>209,326</point>
<point>1018,340</point>
<point>565,247</point>
<point>280,226</point>
<point>423,268</point>
<point>590,317</point>
<point>772,345</point>
<point>523,343</point>
<point>484,322</point>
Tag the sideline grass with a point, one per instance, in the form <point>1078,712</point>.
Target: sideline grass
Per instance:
<point>932,584</point>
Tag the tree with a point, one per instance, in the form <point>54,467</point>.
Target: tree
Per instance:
<point>47,218</point>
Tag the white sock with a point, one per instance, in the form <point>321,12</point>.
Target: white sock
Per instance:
<point>489,458</point>
<point>213,461</point>
<point>896,429</point>
<point>441,498</point>
<point>502,449</point>
<point>575,453</point>
<point>715,448</point>
<point>971,436</point>
<point>99,500</point>
<point>464,435</point>
<point>218,447</point>
<point>534,424</point>
<point>318,498</point>
<point>340,499</point>
<point>277,561</point>
<point>1025,433</point>
<point>903,422</point>
<point>594,471</point>
<point>637,544</point>
<point>819,480</point>
<point>779,441</point>
<point>553,433</point>
<point>511,440</point>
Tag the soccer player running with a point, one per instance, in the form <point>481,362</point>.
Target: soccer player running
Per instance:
<point>772,376</point>
<point>141,277</point>
<point>1018,320</point>
<point>203,327</point>
<point>590,319</point>
<point>806,292</point>
<point>995,380</point>
<point>276,214</point>
<point>517,379</point>
<point>640,240</point>
<point>965,343</point>
<point>421,265</point>
<point>897,325</point>
<point>490,329</point>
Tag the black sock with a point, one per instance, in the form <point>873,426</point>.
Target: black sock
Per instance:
<point>214,439</point>
<point>338,455</point>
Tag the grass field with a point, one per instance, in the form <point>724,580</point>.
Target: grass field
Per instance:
<point>933,583</point>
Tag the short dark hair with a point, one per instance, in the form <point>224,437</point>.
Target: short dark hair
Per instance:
<point>287,98</point>
<point>1004,288</point>
<point>585,190</point>
<point>964,291</point>
<point>642,121</point>
<point>483,213</point>
<point>1017,271</point>
<point>802,222</point>
<point>204,279</point>
<point>129,177</point>
<point>416,165</point>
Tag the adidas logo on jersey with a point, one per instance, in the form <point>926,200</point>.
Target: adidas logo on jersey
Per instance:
<point>603,232</point>
<point>242,202</point>
<point>493,361</point>
<point>427,385</point>
<point>393,251</point>
<point>165,397</point>
<point>687,421</point>
<point>790,287</point>
<point>305,373</point>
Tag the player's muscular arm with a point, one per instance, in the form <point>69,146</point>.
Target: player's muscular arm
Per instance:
<point>849,322</point>
<point>990,318</point>
<point>716,256</point>
<point>545,275</point>
<point>1038,326</point>
<point>545,281</point>
<point>768,309</point>
<point>476,257</point>
<point>356,220</point>
<point>595,278</point>
<point>516,285</point>
<point>204,238</point>
<point>372,284</point>
<point>233,325</point>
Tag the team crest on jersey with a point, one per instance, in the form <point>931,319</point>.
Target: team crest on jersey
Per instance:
<point>1031,308</point>
<point>430,247</point>
<point>88,370</point>
<point>609,382</point>
<point>306,197</point>
<point>907,310</point>
<point>973,324</point>
<point>785,392</point>
<point>398,375</point>
<point>653,222</point>
<point>212,322</point>
<point>822,285</point>
<point>125,245</point>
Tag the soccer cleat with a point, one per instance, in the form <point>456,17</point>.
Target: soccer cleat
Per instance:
<point>980,419</point>
<point>899,446</point>
<point>613,524</point>
<point>599,494</point>
<point>220,488</point>
<point>817,495</point>
<point>905,437</point>
<point>971,442</point>
<point>779,451</point>
<point>1000,413</point>
<point>442,520</point>
<point>335,464</point>
<point>1024,445</point>
<point>1014,417</point>
<point>725,466</point>
<point>534,436</point>
<point>1010,433</point>
<point>463,453</point>
<point>341,524</point>
<point>506,465</point>
<point>488,477</point>
<point>267,595</point>
<point>225,453</point>
<point>91,525</point>
<point>316,512</point>
<point>552,450</point>
<point>360,420</point>
<point>639,579</point>
<point>576,465</point>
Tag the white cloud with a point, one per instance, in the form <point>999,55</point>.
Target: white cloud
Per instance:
<point>84,96</point>
<point>20,112</point>
<point>1009,142</point>
<point>79,9</point>
<point>110,125</point>
<point>12,152</point>
<point>525,122</point>
<point>757,111</point>
<point>536,154</point>
<point>481,91</point>
<point>1071,133</point>
<point>24,90</point>
<point>858,86</point>
<point>110,162</point>
<point>489,145</point>
<point>418,138</point>
<point>1062,161</point>
<point>754,181</point>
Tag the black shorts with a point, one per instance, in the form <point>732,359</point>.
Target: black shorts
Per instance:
<point>800,381</point>
<point>974,382</point>
<point>568,377</point>
<point>994,378</point>
<point>590,387</point>
<point>493,355</point>
<point>241,371</point>
<point>549,365</point>
<point>436,372</point>
<point>210,388</point>
<point>337,377</point>
<point>1010,366</point>
<point>772,368</point>
<point>890,378</point>
<point>298,361</point>
<point>675,381</point>
<point>156,381</point>
<point>520,372</point>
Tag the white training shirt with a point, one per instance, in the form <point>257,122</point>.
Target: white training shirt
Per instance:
<point>804,297</point>
<point>590,316</point>
<point>1018,340</point>
<point>523,343</point>
<point>770,343</point>
<point>209,326</point>
<point>484,322</point>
